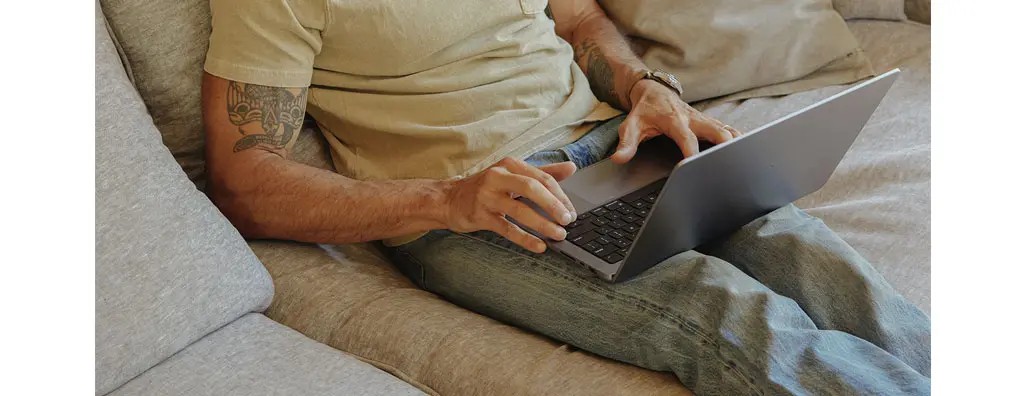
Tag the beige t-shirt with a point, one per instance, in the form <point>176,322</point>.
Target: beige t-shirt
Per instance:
<point>413,89</point>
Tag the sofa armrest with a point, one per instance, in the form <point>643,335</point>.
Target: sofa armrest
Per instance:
<point>919,10</point>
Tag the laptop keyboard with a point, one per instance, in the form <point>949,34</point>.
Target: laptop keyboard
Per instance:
<point>608,231</point>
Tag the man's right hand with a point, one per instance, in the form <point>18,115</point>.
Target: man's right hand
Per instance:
<point>482,202</point>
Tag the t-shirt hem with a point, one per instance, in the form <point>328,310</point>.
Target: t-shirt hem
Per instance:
<point>254,75</point>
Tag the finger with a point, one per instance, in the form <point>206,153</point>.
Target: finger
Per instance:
<point>529,218</point>
<point>548,180</point>
<point>735,132</point>
<point>680,133</point>
<point>629,138</point>
<point>560,171</point>
<point>711,130</point>
<point>532,189</point>
<point>515,234</point>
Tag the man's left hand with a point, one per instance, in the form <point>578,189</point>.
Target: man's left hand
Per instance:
<point>658,110</point>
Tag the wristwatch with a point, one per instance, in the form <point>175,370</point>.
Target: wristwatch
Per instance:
<point>661,77</point>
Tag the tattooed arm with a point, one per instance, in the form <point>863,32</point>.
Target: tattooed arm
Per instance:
<point>615,72</point>
<point>250,130</point>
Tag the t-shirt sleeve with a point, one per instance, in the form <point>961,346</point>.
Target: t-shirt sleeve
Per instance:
<point>265,42</point>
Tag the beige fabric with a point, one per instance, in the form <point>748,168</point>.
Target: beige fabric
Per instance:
<point>412,89</point>
<point>722,47</point>
<point>870,9</point>
<point>919,10</point>
<point>879,198</point>
<point>351,299</point>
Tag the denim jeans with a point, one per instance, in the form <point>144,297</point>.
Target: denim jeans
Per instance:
<point>781,306</point>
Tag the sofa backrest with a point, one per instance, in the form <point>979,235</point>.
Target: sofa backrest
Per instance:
<point>163,43</point>
<point>169,267</point>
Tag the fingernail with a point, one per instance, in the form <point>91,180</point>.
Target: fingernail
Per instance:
<point>560,233</point>
<point>565,217</point>
<point>574,216</point>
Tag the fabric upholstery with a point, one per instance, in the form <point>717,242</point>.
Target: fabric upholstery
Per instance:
<point>743,48</point>
<point>870,9</point>
<point>165,44</point>
<point>169,266</point>
<point>257,356</point>
<point>353,300</point>
<point>879,198</point>
<point>919,10</point>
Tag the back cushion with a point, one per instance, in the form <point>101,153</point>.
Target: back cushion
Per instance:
<point>164,43</point>
<point>756,48</point>
<point>169,266</point>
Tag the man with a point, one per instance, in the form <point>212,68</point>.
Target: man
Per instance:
<point>439,113</point>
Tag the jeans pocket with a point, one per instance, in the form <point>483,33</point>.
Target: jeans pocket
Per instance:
<point>531,7</point>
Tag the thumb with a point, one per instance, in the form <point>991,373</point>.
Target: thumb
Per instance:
<point>629,138</point>
<point>559,170</point>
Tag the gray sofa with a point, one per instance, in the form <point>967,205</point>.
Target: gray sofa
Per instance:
<point>186,306</point>
<point>179,293</point>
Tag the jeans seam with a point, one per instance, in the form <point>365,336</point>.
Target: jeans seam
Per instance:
<point>641,303</point>
<point>419,264</point>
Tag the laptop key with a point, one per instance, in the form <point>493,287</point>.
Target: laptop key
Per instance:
<point>583,216</point>
<point>599,222</point>
<point>602,230</point>
<point>619,224</point>
<point>623,251</point>
<point>642,213</point>
<point>583,239</point>
<point>632,228</point>
<point>622,243</point>
<point>580,229</point>
<point>651,198</point>
<point>641,204</point>
<point>602,250</point>
<point>626,210</point>
<point>613,258</point>
<point>616,234</point>
<point>603,240</point>
<point>591,246</point>
<point>575,224</point>
<point>630,218</point>
<point>612,216</point>
<point>599,211</point>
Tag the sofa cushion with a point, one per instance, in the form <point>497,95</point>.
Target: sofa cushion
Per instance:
<point>742,48</point>
<point>871,9</point>
<point>353,300</point>
<point>919,10</point>
<point>165,44</point>
<point>257,356</point>
<point>169,266</point>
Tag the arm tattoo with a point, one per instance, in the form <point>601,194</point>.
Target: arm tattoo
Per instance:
<point>598,71</point>
<point>278,110</point>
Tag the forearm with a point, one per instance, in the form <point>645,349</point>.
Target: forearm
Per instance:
<point>606,58</point>
<point>282,199</point>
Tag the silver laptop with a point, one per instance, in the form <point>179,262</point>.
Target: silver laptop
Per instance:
<point>636,215</point>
